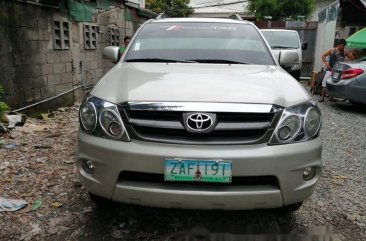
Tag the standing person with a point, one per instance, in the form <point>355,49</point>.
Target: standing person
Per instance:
<point>126,41</point>
<point>337,54</point>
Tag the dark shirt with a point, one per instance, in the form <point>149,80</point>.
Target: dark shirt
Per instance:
<point>335,57</point>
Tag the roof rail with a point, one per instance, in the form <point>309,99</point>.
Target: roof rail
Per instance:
<point>161,16</point>
<point>236,17</point>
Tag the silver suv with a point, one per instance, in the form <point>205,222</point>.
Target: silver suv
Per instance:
<point>199,114</point>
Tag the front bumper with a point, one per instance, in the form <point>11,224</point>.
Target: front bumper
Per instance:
<point>285,162</point>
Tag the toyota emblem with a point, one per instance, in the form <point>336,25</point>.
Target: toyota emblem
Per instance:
<point>199,122</point>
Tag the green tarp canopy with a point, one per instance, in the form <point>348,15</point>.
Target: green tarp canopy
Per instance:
<point>357,40</point>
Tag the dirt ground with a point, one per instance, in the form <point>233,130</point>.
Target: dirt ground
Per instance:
<point>37,164</point>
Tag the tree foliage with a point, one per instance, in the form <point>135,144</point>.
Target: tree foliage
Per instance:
<point>173,8</point>
<point>281,9</point>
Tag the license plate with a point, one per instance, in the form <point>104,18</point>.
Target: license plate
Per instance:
<point>198,170</point>
<point>335,75</point>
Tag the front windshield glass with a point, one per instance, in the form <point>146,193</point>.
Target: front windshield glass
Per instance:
<point>199,42</point>
<point>282,39</point>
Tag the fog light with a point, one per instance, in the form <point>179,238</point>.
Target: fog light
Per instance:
<point>88,166</point>
<point>309,173</point>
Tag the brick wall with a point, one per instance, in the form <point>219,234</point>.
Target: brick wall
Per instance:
<point>32,70</point>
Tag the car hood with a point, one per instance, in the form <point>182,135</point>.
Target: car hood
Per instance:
<point>195,82</point>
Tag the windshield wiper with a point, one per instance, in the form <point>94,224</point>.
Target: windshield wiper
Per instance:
<point>158,60</point>
<point>281,47</point>
<point>218,61</point>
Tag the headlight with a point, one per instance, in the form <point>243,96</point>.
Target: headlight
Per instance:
<point>289,128</point>
<point>298,123</point>
<point>88,116</point>
<point>110,123</point>
<point>312,122</point>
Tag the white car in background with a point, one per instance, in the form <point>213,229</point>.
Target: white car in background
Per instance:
<point>282,40</point>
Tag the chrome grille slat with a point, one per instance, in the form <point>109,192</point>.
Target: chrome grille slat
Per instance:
<point>242,126</point>
<point>157,123</point>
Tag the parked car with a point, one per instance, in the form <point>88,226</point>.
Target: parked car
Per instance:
<point>199,114</point>
<point>349,81</point>
<point>282,40</point>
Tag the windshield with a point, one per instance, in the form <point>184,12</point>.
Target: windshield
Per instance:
<point>282,39</point>
<point>199,42</point>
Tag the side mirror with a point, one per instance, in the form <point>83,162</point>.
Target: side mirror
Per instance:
<point>288,58</point>
<point>111,53</point>
<point>304,46</point>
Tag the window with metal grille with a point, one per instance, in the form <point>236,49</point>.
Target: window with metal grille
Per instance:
<point>61,35</point>
<point>90,36</point>
<point>114,36</point>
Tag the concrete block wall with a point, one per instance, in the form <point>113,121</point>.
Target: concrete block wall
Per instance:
<point>24,48</point>
<point>32,70</point>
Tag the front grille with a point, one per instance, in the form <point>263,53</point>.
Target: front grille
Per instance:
<point>182,136</point>
<point>159,178</point>
<point>230,128</point>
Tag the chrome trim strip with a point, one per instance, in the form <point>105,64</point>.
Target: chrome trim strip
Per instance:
<point>202,107</point>
<point>242,126</point>
<point>157,124</point>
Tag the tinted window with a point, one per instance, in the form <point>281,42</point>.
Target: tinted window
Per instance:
<point>282,39</point>
<point>200,41</point>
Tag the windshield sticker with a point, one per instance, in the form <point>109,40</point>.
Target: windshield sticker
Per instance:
<point>137,46</point>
